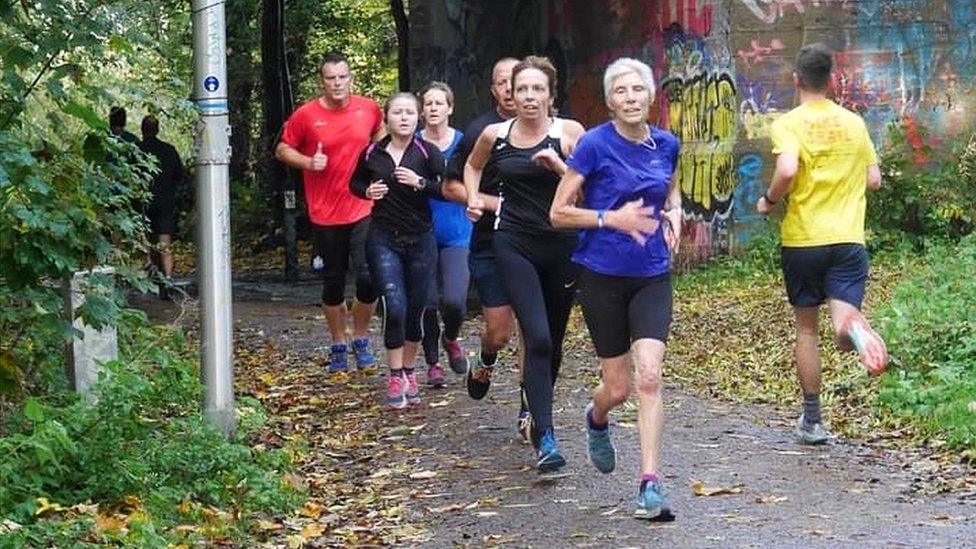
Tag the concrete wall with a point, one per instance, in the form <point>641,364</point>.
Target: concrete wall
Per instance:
<point>724,73</point>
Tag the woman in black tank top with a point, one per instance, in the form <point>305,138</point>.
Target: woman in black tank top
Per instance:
<point>532,256</point>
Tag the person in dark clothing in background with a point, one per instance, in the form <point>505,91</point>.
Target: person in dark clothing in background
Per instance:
<point>116,125</point>
<point>161,209</point>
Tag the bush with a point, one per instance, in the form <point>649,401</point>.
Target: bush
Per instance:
<point>145,438</point>
<point>926,193</point>
<point>930,328</point>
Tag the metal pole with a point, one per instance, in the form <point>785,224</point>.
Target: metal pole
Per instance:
<point>212,157</point>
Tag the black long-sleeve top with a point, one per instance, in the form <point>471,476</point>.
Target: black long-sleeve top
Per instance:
<point>403,210</point>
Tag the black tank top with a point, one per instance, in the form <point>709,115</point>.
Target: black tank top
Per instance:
<point>526,189</point>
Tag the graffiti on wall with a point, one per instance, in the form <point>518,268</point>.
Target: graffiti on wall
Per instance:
<point>723,70</point>
<point>701,112</point>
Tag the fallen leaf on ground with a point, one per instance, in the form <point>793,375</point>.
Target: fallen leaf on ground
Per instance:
<point>440,403</point>
<point>311,510</point>
<point>312,530</point>
<point>423,475</point>
<point>109,523</point>
<point>771,499</point>
<point>46,506</point>
<point>699,489</point>
<point>268,526</point>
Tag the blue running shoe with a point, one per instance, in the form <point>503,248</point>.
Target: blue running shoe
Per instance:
<point>599,446</point>
<point>364,356</point>
<point>338,359</point>
<point>651,503</point>
<point>550,459</point>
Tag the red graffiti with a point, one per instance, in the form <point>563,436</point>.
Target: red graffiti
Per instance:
<point>914,138</point>
<point>758,52</point>
<point>687,14</point>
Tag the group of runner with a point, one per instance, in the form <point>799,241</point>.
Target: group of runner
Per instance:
<point>539,212</point>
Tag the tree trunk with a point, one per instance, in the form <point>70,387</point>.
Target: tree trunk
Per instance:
<point>403,43</point>
<point>241,79</point>
<point>277,105</point>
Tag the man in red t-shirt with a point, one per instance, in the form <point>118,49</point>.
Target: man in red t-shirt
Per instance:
<point>324,138</point>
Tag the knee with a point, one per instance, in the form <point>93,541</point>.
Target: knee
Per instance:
<point>538,347</point>
<point>648,379</point>
<point>333,292</point>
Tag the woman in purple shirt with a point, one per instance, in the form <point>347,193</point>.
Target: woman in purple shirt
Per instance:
<point>630,216</point>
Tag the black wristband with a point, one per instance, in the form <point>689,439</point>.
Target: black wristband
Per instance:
<point>770,200</point>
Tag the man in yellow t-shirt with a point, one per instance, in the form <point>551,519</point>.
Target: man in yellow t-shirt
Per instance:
<point>824,161</point>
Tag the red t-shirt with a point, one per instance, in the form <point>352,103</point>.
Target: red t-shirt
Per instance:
<point>344,133</point>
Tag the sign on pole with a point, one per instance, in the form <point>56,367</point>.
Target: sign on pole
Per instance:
<point>212,157</point>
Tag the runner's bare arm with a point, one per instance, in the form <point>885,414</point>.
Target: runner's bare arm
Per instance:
<point>473,169</point>
<point>786,168</point>
<point>564,213</point>
<point>291,157</point>
<point>874,177</point>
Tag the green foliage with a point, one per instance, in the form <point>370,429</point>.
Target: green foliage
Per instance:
<point>757,259</point>
<point>145,437</point>
<point>926,192</point>
<point>362,29</point>
<point>930,329</point>
<point>70,196</point>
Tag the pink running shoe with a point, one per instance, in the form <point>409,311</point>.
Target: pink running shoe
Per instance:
<point>870,347</point>
<point>455,356</point>
<point>412,393</point>
<point>396,396</point>
<point>435,376</point>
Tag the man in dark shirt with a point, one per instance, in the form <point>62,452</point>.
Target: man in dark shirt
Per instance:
<point>116,125</point>
<point>495,306</point>
<point>162,206</point>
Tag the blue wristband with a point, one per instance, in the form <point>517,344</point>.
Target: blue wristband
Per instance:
<point>599,218</point>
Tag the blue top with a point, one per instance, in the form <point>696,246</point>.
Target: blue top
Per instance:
<point>452,227</point>
<point>618,171</point>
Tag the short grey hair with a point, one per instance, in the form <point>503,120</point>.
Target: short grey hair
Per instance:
<point>623,66</point>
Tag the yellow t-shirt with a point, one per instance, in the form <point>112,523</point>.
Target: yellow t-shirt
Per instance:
<point>826,200</point>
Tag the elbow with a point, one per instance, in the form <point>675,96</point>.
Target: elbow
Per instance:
<point>279,152</point>
<point>557,216</point>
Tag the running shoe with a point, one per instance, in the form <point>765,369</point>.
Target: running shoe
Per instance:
<point>435,375</point>
<point>338,359</point>
<point>396,396</point>
<point>651,503</point>
<point>599,446</point>
<point>479,378</point>
<point>364,356</point>
<point>455,356</point>
<point>550,459</point>
<point>871,349</point>
<point>412,392</point>
<point>807,433</point>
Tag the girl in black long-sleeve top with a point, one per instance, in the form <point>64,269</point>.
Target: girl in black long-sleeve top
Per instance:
<point>401,172</point>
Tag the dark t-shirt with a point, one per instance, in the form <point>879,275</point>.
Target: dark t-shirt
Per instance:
<point>527,188</point>
<point>404,209</point>
<point>481,237</point>
<point>170,176</point>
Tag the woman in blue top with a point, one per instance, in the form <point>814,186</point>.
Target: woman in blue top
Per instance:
<point>630,214</point>
<point>452,229</point>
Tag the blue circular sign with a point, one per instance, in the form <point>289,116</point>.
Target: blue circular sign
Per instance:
<point>211,83</point>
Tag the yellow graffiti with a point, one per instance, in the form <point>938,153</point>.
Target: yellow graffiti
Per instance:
<point>707,181</point>
<point>702,108</point>
<point>702,113</point>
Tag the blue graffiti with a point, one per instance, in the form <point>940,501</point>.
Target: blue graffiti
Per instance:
<point>746,194</point>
